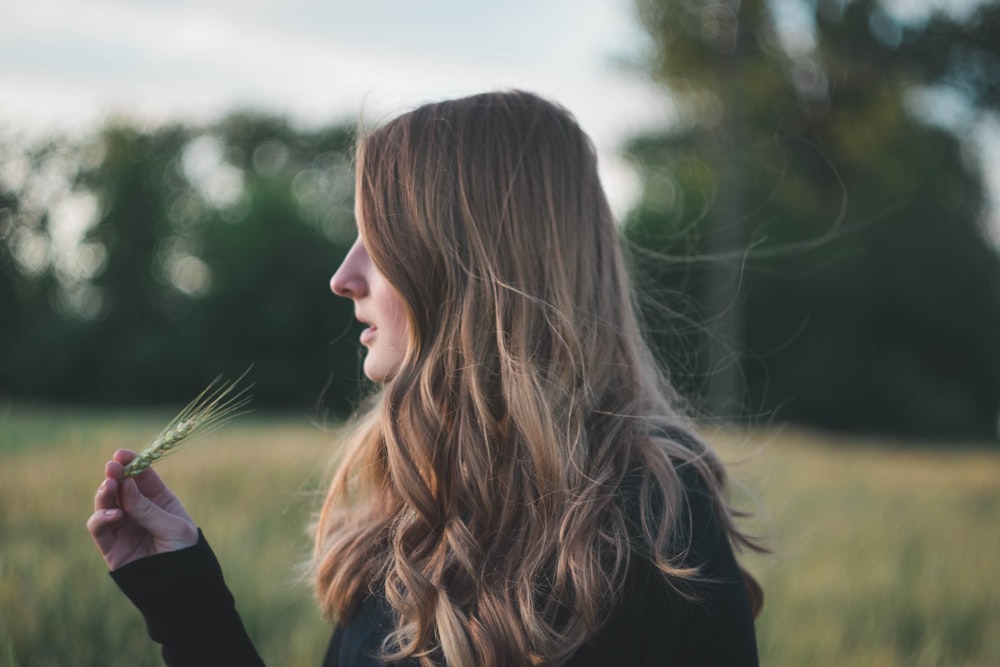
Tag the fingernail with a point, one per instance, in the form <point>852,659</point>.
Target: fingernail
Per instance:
<point>109,512</point>
<point>103,484</point>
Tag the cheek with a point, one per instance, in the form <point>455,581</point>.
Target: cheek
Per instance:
<point>395,321</point>
<point>400,321</point>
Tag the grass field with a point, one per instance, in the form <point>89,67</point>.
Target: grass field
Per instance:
<point>885,554</point>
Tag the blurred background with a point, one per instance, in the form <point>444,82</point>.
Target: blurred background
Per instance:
<point>809,190</point>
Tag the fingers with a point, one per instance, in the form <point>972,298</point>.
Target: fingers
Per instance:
<point>100,526</point>
<point>114,468</point>
<point>107,495</point>
<point>138,515</point>
<point>171,530</point>
<point>123,456</point>
<point>149,482</point>
<point>151,485</point>
<point>138,506</point>
<point>106,515</point>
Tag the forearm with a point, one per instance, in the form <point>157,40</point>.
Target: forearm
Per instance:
<point>188,608</point>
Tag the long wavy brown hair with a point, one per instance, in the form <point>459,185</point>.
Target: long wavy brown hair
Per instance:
<point>481,490</point>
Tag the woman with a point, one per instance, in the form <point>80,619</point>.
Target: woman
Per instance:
<point>523,489</point>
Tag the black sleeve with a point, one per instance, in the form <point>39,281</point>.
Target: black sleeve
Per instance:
<point>188,608</point>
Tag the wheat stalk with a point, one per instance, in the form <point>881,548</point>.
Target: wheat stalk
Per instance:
<point>218,403</point>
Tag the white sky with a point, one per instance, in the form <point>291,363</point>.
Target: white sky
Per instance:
<point>66,65</point>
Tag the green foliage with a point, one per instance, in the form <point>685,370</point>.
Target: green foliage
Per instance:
<point>828,242</point>
<point>210,249</point>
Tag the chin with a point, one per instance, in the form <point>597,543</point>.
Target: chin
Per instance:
<point>377,373</point>
<point>375,376</point>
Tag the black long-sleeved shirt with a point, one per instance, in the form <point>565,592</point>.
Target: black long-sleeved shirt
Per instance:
<point>190,611</point>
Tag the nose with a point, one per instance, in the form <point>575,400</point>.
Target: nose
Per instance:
<point>349,280</point>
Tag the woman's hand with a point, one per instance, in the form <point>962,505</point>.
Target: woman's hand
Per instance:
<point>137,517</point>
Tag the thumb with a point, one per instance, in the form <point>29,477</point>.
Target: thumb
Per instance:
<point>161,524</point>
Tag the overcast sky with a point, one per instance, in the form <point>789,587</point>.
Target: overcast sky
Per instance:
<point>66,65</point>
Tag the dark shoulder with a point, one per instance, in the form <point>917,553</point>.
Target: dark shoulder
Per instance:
<point>706,620</point>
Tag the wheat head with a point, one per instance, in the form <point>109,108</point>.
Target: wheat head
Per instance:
<point>218,403</point>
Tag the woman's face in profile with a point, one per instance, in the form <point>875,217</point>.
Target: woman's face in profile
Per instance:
<point>378,305</point>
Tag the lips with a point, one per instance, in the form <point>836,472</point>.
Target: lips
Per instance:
<point>368,335</point>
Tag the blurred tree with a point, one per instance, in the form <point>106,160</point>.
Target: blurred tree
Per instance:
<point>830,240</point>
<point>12,300</point>
<point>29,175</point>
<point>202,250</point>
